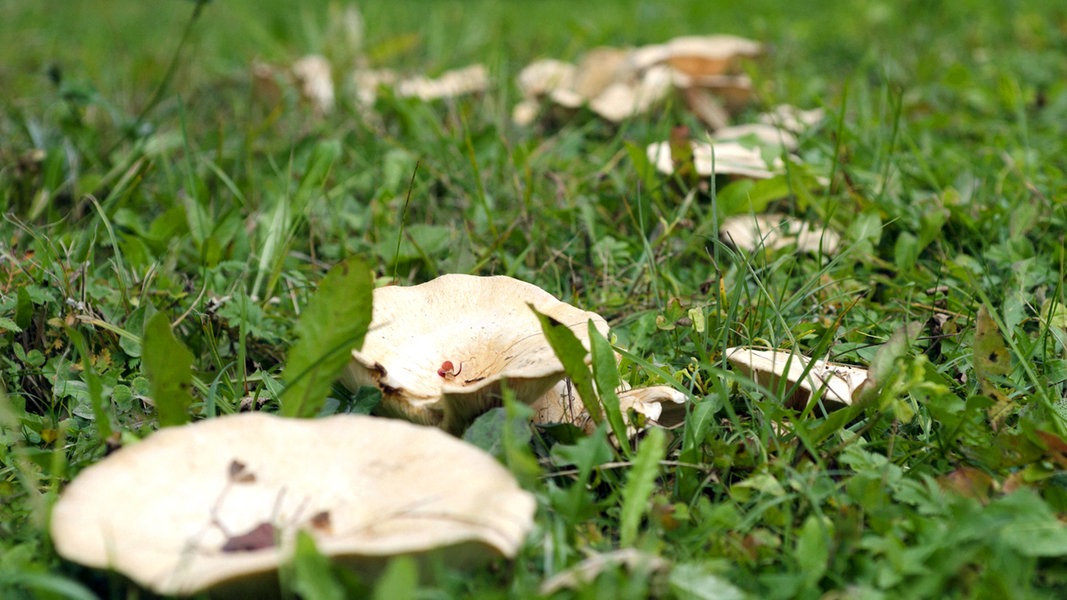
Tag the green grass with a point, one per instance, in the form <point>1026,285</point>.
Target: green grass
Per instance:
<point>946,145</point>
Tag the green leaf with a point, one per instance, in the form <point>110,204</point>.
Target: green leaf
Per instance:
<point>168,365</point>
<point>1030,527</point>
<point>689,580</point>
<point>490,431</point>
<point>748,196</point>
<point>333,323</point>
<point>400,581</point>
<point>92,381</point>
<point>135,325</point>
<point>646,171</point>
<point>313,575</point>
<point>606,375</point>
<point>319,164</point>
<point>884,364</point>
<point>585,454</point>
<point>47,585</point>
<point>813,549</point>
<point>23,308</point>
<point>9,325</point>
<point>640,484</point>
<point>906,251</point>
<point>571,353</point>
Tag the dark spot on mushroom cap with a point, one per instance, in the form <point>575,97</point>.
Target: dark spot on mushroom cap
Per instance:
<point>321,521</point>
<point>259,537</point>
<point>239,472</point>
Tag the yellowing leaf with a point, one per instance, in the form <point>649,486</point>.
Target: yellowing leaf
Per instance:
<point>991,359</point>
<point>991,356</point>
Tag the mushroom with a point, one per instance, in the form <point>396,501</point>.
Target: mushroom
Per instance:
<point>217,504</point>
<point>836,384</point>
<point>618,83</point>
<point>542,76</point>
<point>442,352</point>
<point>471,79</point>
<point>312,75</point>
<point>709,55</point>
<point>765,134</point>
<point>774,231</point>
<point>623,99</point>
<point>658,405</point>
<point>791,118</point>
<point>719,158</point>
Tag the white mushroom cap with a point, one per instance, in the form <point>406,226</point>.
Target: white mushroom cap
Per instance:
<point>471,79</point>
<point>482,326</point>
<point>658,405</point>
<point>837,383</point>
<point>792,118</point>
<point>622,100</point>
<point>720,158</point>
<point>162,510</point>
<point>765,134</point>
<point>774,231</point>
<point>542,76</point>
<point>312,74</point>
<point>710,54</point>
<point>599,68</point>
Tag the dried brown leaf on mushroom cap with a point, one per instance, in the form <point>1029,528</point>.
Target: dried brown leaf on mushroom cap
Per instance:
<point>482,327</point>
<point>774,231</point>
<point>217,502</point>
<point>836,384</point>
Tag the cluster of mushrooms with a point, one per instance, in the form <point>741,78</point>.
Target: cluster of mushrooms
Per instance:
<point>218,505</point>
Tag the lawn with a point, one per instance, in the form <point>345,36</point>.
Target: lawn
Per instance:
<point>145,171</point>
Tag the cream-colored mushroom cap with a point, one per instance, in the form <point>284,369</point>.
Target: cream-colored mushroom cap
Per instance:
<point>835,383</point>
<point>641,408</point>
<point>312,74</point>
<point>441,352</point>
<point>775,231</point>
<point>720,158</point>
<point>216,504</point>
<point>542,76</point>
<point>710,54</point>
